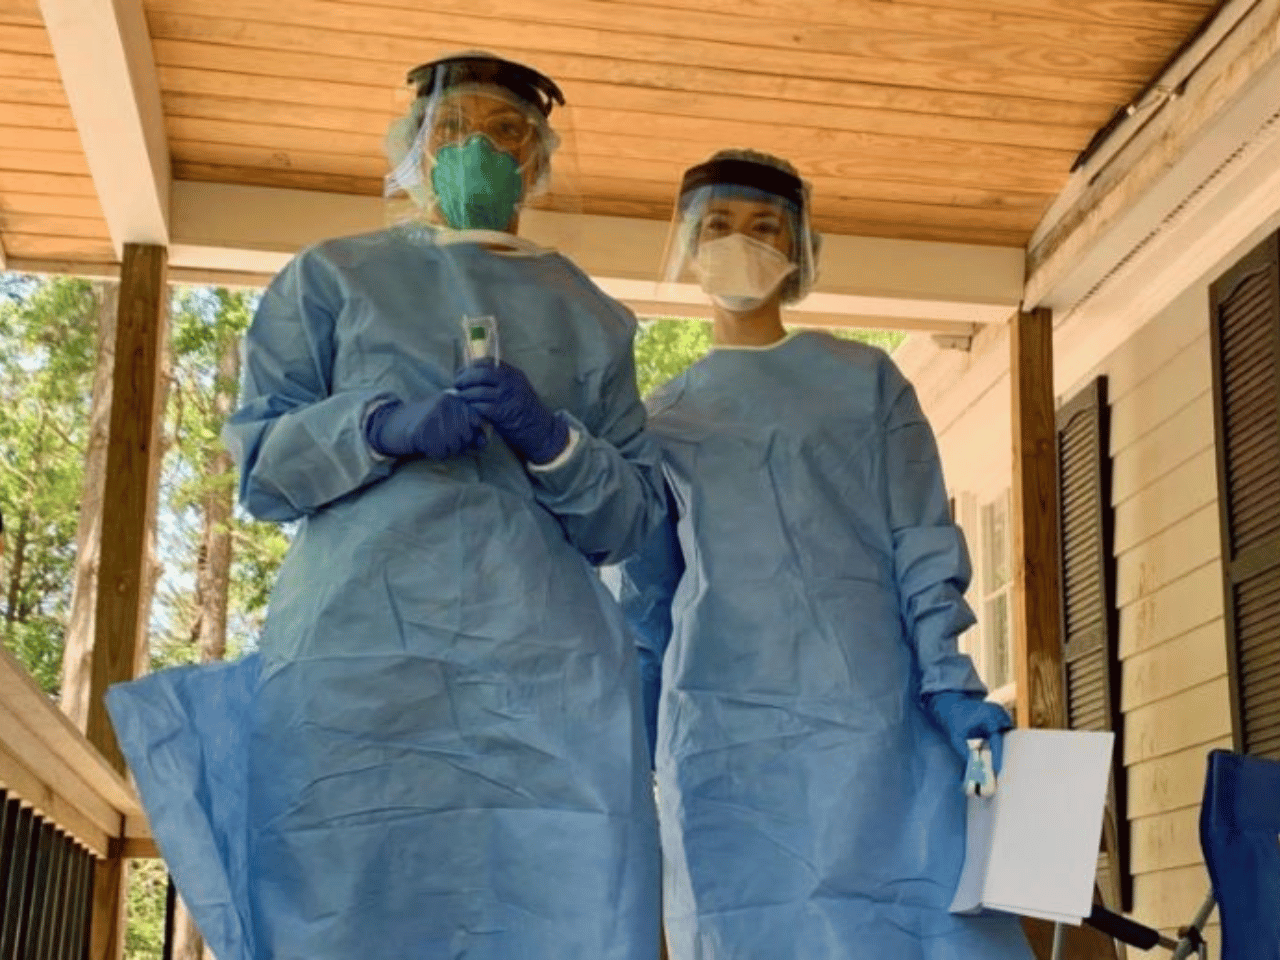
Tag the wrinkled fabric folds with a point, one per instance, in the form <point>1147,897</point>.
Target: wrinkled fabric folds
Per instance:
<point>446,755</point>
<point>809,591</point>
<point>184,735</point>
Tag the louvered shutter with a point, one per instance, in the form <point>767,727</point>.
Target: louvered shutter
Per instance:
<point>1244,308</point>
<point>1090,624</point>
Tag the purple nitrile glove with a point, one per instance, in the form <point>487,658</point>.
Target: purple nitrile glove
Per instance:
<point>437,429</point>
<point>503,395</point>
<point>965,717</point>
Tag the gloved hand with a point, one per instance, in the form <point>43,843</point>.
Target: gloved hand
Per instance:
<point>437,429</point>
<point>503,395</point>
<point>965,717</point>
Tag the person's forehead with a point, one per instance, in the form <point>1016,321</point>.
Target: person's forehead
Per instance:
<point>744,207</point>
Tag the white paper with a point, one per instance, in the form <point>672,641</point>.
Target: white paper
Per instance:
<point>979,821</point>
<point>1041,831</point>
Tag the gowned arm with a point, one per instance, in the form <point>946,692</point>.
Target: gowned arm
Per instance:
<point>298,443</point>
<point>608,493</point>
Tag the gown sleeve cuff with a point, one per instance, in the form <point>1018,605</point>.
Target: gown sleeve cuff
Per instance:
<point>563,457</point>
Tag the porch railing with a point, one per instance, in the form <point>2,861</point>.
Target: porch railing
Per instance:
<point>68,821</point>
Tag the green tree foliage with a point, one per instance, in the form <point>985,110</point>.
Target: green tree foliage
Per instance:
<point>47,347</point>
<point>886,340</point>
<point>145,912</point>
<point>206,323</point>
<point>47,352</point>
<point>665,348</point>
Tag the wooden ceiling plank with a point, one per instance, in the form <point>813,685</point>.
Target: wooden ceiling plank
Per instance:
<point>817,25</point>
<point>864,208</point>
<point>374,111</point>
<point>1099,79</point>
<point>39,162</point>
<point>39,180</point>
<point>12,18</point>
<point>943,163</point>
<point>383,79</point>
<point>25,246</point>
<point>272,135</point>
<point>48,204</point>
<point>646,177</point>
<point>36,116</point>
<point>1174,17</point>
<point>59,141</point>
<point>825,163</point>
<point>27,11</point>
<point>664,128</point>
<point>48,93</point>
<point>29,66</point>
<point>31,40</point>
<point>616,149</point>
<point>1048,128</point>
<point>259,177</point>
<point>832,193</point>
<point>268,159</point>
<point>894,230</point>
<point>730,41</point>
<point>78,227</point>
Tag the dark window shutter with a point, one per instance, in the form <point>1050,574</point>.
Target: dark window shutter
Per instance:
<point>1090,621</point>
<point>1244,305</point>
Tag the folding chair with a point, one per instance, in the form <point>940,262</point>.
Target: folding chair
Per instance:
<point>1240,838</point>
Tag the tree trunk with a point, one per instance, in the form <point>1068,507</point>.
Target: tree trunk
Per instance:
<point>215,570</point>
<point>16,568</point>
<point>78,649</point>
<point>213,582</point>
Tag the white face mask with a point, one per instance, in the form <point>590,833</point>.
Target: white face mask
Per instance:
<point>739,273</point>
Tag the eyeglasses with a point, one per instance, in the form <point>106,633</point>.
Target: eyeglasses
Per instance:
<point>508,129</point>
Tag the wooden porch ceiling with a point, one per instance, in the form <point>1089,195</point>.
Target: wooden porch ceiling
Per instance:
<point>941,120</point>
<point>48,207</point>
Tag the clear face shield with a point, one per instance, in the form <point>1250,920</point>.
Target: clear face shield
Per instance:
<point>475,147</point>
<point>741,230</point>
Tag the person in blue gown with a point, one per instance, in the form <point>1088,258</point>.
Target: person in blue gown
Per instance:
<point>439,747</point>
<point>797,620</point>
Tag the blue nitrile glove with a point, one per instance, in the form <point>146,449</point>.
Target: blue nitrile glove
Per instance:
<point>503,395</point>
<point>436,429</point>
<point>965,717</point>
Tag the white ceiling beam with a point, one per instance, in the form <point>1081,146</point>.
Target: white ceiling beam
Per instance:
<point>1111,229</point>
<point>104,55</point>
<point>865,282</point>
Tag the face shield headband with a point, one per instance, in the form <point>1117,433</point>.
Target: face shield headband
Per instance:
<point>743,173</point>
<point>533,88</point>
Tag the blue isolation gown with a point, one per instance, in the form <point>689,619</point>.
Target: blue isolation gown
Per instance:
<point>809,591</point>
<point>446,758</point>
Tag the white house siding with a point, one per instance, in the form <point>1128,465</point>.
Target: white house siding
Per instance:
<point>1169,593</point>
<point>1169,587</point>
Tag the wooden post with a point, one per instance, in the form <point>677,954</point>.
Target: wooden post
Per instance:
<point>133,467</point>
<point>1036,587</point>
<point>132,479</point>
